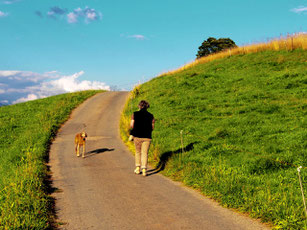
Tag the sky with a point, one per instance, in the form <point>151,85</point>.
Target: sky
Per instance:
<point>56,46</point>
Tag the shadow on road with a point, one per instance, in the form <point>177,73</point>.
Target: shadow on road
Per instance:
<point>97,151</point>
<point>164,158</point>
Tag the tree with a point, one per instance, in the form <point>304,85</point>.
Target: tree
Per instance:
<point>213,45</point>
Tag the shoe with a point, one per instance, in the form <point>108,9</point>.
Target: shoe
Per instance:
<point>130,138</point>
<point>144,172</point>
<point>137,170</point>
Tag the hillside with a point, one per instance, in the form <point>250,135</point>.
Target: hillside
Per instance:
<point>26,131</point>
<point>244,125</point>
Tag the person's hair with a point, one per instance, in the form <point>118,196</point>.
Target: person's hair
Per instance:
<point>143,104</point>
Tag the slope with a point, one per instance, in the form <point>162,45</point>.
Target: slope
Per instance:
<point>26,131</point>
<point>243,124</point>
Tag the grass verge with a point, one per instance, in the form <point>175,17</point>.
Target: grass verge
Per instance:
<point>26,132</point>
<point>244,125</point>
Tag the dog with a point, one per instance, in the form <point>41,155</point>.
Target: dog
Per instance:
<point>80,140</point>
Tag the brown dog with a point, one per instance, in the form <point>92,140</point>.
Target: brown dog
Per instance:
<point>80,141</point>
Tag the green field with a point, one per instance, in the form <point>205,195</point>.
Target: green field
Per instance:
<point>244,122</point>
<point>26,131</point>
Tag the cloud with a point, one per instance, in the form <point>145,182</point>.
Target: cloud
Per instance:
<point>300,9</point>
<point>72,84</point>
<point>3,14</point>
<point>4,102</point>
<point>56,11</point>
<point>137,37</point>
<point>39,14</point>
<point>30,97</point>
<point>8,2</point>
<point>72,18</point>
<point>134,36</point>
<point>87,15</point>
<point>23,76</point>
<point>21,86</point>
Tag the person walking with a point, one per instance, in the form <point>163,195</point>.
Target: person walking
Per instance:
<point>142,124</point>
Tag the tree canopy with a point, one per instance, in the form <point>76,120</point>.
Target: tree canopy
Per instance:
<point>213,45</point>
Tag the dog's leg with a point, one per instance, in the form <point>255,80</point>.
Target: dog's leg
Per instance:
<point>78,150</point>
<point>83,150</point>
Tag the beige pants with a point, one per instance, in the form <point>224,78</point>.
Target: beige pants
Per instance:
<point>141,151</point>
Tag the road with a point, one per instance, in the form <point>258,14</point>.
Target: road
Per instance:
<point>101,191</point>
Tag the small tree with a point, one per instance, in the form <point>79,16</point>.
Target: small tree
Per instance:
<point>213,45</point>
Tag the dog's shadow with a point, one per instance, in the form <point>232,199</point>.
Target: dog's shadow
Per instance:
<point>97,151</point>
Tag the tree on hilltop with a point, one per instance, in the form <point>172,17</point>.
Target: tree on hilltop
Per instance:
<point>213,45</point>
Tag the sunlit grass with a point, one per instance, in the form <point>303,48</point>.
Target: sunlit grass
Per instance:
<point>26,131</point>
<point>244,122</point>
<point>297,41</point>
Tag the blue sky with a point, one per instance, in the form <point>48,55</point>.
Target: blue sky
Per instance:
<point>54,46</point>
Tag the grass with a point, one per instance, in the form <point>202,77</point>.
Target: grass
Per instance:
<point>26,131</point>
<point>289,43</point>
<point>244,122</point>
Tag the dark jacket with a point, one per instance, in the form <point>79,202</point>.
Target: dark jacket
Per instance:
<point>142,124</point>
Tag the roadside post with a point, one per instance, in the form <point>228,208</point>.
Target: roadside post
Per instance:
<point>182,149</point>
<point>299,177</point>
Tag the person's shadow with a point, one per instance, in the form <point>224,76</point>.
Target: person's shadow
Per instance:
<point>164,158</point>
<point>97,151</point>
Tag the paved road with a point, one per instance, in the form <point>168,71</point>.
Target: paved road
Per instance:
<point>101,191</point>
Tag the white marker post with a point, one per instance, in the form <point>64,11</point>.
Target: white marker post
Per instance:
<point>299,176</point>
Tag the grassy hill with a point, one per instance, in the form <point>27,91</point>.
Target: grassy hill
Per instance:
<point>243,120</point>
<point>26,131</point>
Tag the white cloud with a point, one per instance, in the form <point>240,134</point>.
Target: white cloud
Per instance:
<point>2,14</point>
<point>78,10</point>
<point>91,15</point>
<point>23,75</point>
<point>87,14</point>
<point>4,102</point>
<point>50,13</point>
<point>52,72</point>
<point>21,86</point>
<point>299,9</point>
<point>72,18</point>
<point>8,2</point>
<point>7,73</point>
<point>72,84</point>
<point>137,36</point>
<point>30,97</point>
